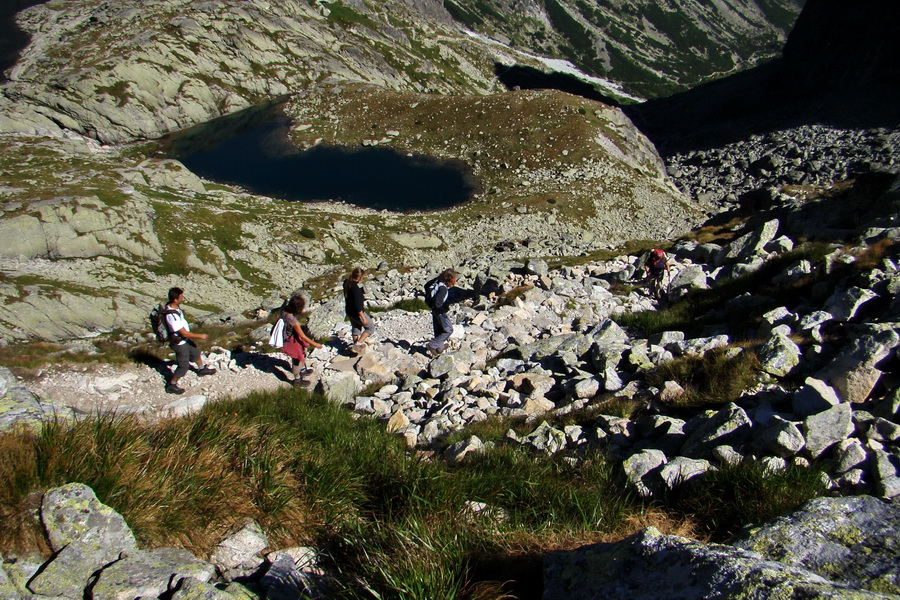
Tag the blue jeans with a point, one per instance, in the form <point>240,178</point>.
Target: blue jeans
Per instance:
<point>443,328</point>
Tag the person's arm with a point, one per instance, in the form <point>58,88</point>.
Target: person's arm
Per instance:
<point>298,331</point>
<point>191,335</point>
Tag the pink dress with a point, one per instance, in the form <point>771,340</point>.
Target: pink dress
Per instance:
<point>293,346</point>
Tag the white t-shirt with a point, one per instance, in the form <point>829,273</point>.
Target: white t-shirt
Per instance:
<point>176,322</point>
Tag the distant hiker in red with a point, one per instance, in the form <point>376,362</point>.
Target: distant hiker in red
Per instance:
<point>181,342</point>
<point>656,266</point>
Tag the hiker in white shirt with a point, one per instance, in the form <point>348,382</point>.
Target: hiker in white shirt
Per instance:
<point>181,342</point>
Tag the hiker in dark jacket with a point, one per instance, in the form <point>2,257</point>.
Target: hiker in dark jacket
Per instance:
<point>439,297</point>
<point>362,325</point>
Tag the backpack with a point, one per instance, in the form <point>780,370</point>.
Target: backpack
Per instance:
<point>430,288</point>
<point>657,259</point>
<point>158,322</point>
<point>276,339</point>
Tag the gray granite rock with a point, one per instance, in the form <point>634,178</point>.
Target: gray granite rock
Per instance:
<point>149,573</point>
<point>848,540</point>
<point>682,569</point>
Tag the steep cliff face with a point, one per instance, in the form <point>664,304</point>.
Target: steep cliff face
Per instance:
<point>652,48</point>
<point>840,67</point>
<point>838,45</point>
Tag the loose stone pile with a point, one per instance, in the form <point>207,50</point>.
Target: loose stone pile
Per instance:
<point>554,349</point>
<point>806,155</point>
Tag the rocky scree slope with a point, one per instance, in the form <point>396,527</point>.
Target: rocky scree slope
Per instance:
<point>650,49</point>
<point>830,397</point>
<point>805,341</point>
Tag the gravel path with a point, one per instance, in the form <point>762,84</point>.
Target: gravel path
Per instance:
<point>139,388</point>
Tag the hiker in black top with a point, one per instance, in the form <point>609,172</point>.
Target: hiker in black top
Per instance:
<point>439,297</point>
<point>361,324</point>
<point>181,340</point>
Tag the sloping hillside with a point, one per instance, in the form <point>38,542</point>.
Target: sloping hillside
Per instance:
<point>651,48</point>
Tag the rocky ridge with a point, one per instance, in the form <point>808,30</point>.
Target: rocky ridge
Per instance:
<point>94,240</point>
<point>119,73</point>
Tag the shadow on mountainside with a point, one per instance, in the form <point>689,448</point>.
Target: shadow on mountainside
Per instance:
<point>752,103</point>
<point>529,78</point>
<point>840,67</point>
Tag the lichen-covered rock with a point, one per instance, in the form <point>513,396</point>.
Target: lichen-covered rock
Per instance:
<point>72,514</point>
<point>148,574</point>
<point>639,469</point>
<point>652,566</point>
<point>8,589</point>
<point>20,408</point>
<point>779,437</point>
<point>85,533</point>
<point>827,428</point>
<point>779,355</point>
<point>844,304</point>
<point>849,540</point>
<point>341,387</point>
<point>729,427</point>
<point>681,469</point>
<point>241,549</point>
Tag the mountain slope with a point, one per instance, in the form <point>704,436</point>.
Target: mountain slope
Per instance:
<point>651,48</point>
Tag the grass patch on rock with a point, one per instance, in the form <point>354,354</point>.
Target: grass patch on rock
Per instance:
<point>717,377</point>
<point>724,501</point>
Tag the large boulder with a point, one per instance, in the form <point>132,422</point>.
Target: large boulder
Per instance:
<point>85,534</point>
<point>849,540</point>
<point>652,566</point>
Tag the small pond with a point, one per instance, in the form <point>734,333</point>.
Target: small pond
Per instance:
<point>12,39</point>
<point>251,150</point>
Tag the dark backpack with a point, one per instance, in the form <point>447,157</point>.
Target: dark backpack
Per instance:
<point>158,322</point>
<point>430,288</point>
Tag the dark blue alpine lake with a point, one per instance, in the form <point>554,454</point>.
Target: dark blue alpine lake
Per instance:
<point>251,150</point>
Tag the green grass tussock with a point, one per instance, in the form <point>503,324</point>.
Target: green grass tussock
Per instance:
<point>746,494</point>
<point>718,377</point>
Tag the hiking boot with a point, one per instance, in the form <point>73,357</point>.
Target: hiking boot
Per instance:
<point>300,382</point>
<point>173,388</point>
<point>432,352</point>
<point>358,349</point>
<point>305,372</point>
<point>206,371</point>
